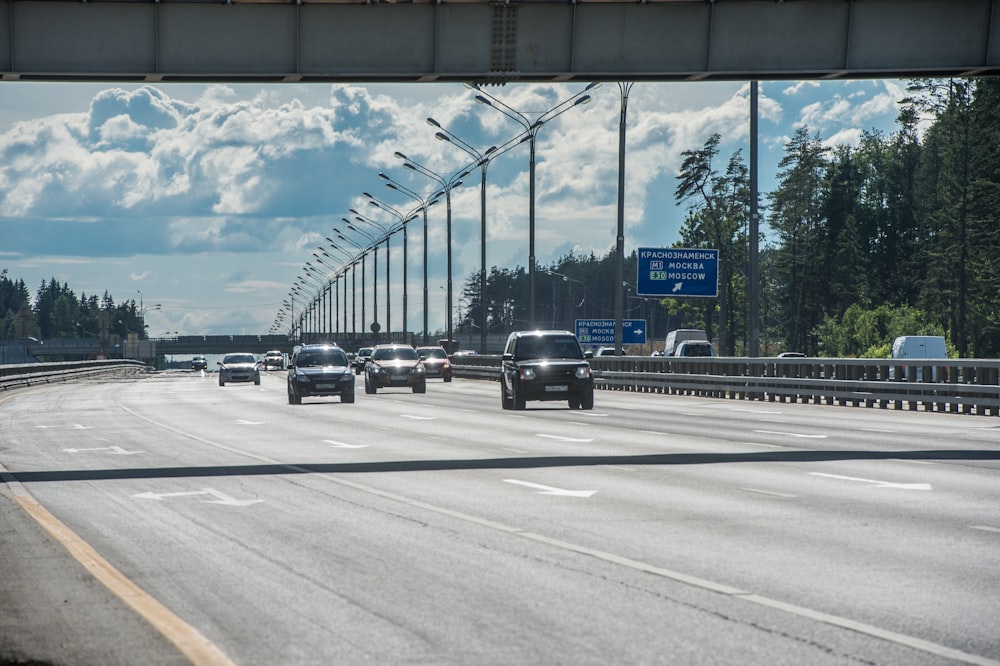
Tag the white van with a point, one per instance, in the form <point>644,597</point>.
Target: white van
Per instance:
<point>917,346</point>
<point>674,338</point>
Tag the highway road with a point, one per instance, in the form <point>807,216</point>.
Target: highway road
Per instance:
<point>168,520</point>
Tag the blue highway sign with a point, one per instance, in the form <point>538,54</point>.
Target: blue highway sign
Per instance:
<point>602,331</point>
<point>676,271</point>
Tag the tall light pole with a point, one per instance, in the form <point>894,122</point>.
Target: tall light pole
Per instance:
<point>483,162</point>
<point>447,185</point>
<point>382,229</point>
<point>404,219</point>
<point>624,88</point>
<point>423,203</point>
<point>531,128</point>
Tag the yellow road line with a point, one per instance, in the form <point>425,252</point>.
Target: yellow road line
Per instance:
<point>192,644</point>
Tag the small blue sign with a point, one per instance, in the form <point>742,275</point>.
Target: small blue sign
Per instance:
<point>677,271</point>
<point>602,331</point>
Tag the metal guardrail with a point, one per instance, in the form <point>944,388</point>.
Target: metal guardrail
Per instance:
<point>968,386</point>
<point>34,374</point>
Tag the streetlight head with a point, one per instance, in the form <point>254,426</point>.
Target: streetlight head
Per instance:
<point>365,194</point>
<point>441,136</point>
<point>383,176</point>
<point>407,165</point>
<point>483,100</point>
<point>583,100</point>
<point>401,156</point>
<point>433,123</point>
<point>593,85</point>
<point>464,174</point>
<point>391,186</point>
<point>351,210</point>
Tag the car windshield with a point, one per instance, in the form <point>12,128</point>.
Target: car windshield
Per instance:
<point>549,346</point>
<point>322,357</point>
<point>232,359</point>
<point>696,350</point>
<point>395,354</point>
<point>365,351</point>
<point>434,353</point>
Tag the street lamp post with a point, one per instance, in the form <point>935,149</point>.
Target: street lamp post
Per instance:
<point>404,219</point>
<point>423,203</point>
<point>483,162</point>
<point>385,234</point>
<point>531,129</point>
<point>447,185</point>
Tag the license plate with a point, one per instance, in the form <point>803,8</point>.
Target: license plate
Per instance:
<point>557,389</point>
<point>326,387</point>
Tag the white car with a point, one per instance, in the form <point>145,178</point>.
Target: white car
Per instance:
<point>239,368</point>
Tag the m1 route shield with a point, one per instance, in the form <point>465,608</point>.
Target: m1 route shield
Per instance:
<point>677,271</point>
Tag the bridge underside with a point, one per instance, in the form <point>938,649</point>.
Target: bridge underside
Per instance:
<point>494,42</point>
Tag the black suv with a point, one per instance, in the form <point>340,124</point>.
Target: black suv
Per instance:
<point>319,370</point>
<point>545,365</point>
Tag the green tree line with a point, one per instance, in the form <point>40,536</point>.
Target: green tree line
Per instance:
<point>57,312</point>
<point>899,235</point>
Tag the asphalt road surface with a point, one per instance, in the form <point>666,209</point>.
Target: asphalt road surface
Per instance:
<point>168,520</point>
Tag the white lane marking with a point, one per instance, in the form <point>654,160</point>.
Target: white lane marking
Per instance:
<point>877,483</point>
<point>985,528</point>
<point>550,490</point>
<point>766,446</point>
<point>75,426</point>
<point>694,581</point>
<point>560,438</point>
<point>768,492</point>
<point>242,422</point>
<point>790,434</point>
<point>755,411</point>
<point>619,467</point>
<point>418,418</point>
<point>912,462</point>
<point>115,450</point>
<point>220,497</point>
<point>344,445</point>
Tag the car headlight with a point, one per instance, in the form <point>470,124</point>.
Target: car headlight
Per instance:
<point>583,372</point>
<point>303,378</point>
<point>528,373</point>
<point>419,369</point>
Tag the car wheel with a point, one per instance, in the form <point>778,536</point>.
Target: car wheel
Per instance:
<point>587,400</point>
<point>293,399</point>
<point>222,382</point>
<point>347,397</point>
<point>505,402</point>
<point>517,398</point>
<point>574,402</point>
<point>256,381</point>
<point>369,387</point>
<point>420,388</point>
<point>447,378</point>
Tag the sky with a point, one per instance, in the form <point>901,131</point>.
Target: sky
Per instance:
<point>207,200</point>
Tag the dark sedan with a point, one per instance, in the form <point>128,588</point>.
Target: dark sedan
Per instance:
<point>395,365</point>
<point>320,370</point>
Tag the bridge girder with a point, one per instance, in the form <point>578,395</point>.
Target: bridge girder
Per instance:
<point>494,42</point>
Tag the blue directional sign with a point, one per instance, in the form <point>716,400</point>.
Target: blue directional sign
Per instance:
<point>602,331</point>
<point>677,271</point>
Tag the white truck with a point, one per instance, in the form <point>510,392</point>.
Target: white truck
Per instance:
<point>680,335</point>
<point>917,347</point>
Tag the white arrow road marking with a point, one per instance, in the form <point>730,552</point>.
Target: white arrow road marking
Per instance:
<point>562,439</point>
<point>549,490</point>
<point>115,450</point>
<point>790,434</point>
<point>220,497</point>
<point>344,445</point>
<point>985,528</point>
<point>242,422</point>
<point>876,483</point>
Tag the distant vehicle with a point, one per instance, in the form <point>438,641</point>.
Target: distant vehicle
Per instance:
<point>607,351</point>
<point>199,363</point>
<point>694,348</point>
<point>680,335</point>
<point>395,365</point>
<point>360,359</point>
<point>918,347</point>
<point>274,359</point>
<point>791,355</point>
<point>545,365</point>
<point>320,370</point>
<point>239,368</point>
<point>465,352</point>
<point>436,362</point>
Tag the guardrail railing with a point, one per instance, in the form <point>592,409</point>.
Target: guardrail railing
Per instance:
<point>33,374</point>
<point>969,386</point>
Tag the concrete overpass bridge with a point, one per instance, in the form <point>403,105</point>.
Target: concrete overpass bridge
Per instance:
<point>494,41</point>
